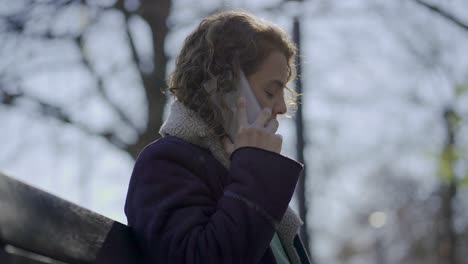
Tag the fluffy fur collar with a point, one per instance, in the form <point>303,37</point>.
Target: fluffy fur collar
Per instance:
<point>186,124</point>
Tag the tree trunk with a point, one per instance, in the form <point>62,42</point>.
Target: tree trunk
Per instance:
<point>155,13</point>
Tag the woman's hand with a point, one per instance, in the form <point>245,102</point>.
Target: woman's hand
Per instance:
<point>260,134</point>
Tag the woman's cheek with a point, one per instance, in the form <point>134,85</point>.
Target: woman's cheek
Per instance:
<point>265,102</point>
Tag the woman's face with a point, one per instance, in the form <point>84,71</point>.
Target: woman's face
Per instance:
<point>268,83</point>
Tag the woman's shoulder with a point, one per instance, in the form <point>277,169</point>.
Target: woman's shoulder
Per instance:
<point>171,155</point>
<point>171,148</point>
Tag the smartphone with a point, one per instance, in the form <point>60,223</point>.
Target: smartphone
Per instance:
<point>253,107</point>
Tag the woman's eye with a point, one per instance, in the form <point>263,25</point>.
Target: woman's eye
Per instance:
<point>270,95</point>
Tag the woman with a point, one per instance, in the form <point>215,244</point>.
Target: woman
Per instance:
<point>201,194</point>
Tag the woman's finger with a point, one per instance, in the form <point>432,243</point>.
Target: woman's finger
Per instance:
<point>263,118</point>
<point>228,146</point>
<point>241,113</point>
<point>279,137</point>
<point>272,126</point>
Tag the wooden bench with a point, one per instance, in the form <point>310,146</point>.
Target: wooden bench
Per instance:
<point>37,227</point>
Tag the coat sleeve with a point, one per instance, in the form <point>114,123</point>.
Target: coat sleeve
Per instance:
<point>177,219</point>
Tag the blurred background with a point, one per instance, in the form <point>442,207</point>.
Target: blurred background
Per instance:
<point>385,111</point>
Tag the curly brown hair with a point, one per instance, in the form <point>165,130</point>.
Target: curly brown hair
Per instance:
<point>221,44</point>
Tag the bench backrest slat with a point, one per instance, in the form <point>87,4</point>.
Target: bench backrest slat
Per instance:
<point>36,221</point>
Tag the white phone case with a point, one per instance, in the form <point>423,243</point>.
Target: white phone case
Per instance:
<point>252,106</point>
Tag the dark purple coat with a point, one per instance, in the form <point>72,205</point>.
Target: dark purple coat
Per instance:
<point>185,207</point>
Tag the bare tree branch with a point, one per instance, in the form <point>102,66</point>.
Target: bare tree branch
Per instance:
<point>443,13</point>
<point>155,13</point>
<point>100,85</point>
<point>15,22</point>
<point>48,110</point>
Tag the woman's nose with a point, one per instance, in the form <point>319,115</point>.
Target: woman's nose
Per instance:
<point>280,107</point>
